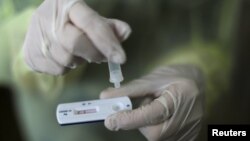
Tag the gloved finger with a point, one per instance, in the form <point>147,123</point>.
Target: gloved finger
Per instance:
<point>136,88</point>
<point>121,29</point>
<point>74,42</point>
<point>60,56</point>
<point>98,31</point>
<point>153,132</point>
<point>146,100</point>
<point>42,63</point>
<point>151,114</point>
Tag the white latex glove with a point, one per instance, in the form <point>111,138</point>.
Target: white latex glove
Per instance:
<point>174,104</point>
<point>64,32</point>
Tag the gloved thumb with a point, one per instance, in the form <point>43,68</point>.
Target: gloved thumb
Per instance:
<point>120,28</point>
<point>151,114</point>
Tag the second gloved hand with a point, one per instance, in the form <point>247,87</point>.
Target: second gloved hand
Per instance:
<point>173,105</point>
<point>63,33</point>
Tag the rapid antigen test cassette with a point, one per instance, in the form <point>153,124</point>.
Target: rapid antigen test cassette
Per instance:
<point>90,111</point>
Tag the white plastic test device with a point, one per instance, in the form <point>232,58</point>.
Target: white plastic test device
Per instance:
<point>90,111</point>
<point>95,110</point>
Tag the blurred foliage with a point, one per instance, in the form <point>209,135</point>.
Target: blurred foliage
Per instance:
<point>6,10</point>
<point>12,33</point>
<point>20,5</point>
<point>10,7</point>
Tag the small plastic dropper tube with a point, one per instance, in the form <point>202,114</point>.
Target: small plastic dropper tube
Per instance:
<point>115,74</point>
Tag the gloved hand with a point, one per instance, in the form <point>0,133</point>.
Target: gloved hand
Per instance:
<point>173,108</point>
<point>64,32</point>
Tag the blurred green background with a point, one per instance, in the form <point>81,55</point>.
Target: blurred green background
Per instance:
<point>209,33</point>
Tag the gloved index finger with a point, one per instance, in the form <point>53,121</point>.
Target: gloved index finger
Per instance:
<point>99,32</point>
<point>151,114</point>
